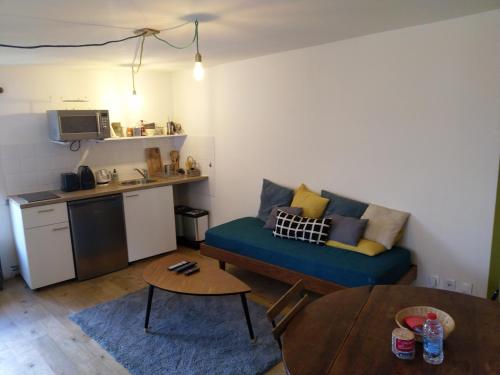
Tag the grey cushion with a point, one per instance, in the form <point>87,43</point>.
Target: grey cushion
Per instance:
<point>343,206</point>
<point>346,229</point>
<point>273,195</point>
<point>271,219</point>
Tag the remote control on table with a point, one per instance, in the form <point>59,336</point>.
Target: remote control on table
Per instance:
<point>192,270</point>
<point>177,265</point>
<point>185,267</point>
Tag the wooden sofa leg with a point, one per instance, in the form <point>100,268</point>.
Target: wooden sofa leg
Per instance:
<point>222,265</point>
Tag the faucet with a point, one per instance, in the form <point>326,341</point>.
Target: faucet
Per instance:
<point>142,172</point>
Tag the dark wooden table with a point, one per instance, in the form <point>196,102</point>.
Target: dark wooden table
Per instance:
<point>349,332</point>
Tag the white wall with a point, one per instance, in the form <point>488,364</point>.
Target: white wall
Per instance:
<point>28,162</point>
<point>408,119</point>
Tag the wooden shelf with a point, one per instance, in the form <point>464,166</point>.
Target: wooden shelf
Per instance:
<point>123,138</point>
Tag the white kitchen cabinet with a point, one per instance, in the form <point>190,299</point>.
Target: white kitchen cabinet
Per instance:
<point>43,243</point>
<point>44,215</point>
<point>149,222</point>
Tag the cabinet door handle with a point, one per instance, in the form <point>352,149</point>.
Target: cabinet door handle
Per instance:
<point>61,228</point>
<point>131,196</point>
<point>47,210</point>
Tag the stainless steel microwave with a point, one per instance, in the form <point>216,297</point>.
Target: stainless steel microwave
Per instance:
<point>75,125</point>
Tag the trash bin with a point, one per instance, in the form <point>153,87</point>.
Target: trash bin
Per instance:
<point>179,211</point>
<point>195,224</point>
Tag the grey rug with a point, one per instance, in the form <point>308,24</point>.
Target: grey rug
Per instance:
<point>188,335</point>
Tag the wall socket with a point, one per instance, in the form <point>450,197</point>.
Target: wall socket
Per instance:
<point>450,284</point>
<point>433,282</point>
<point>465,287</point>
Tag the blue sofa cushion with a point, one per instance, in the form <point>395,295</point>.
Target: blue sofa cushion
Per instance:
<point>246,237</point>
<point>273,195</point>
<point>343,206</point>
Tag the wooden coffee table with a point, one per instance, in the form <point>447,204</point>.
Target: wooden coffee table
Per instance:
<point>349,332</point>
<point>209,281</point>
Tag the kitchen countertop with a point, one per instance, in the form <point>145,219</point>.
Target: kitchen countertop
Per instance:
<point>111,188</point>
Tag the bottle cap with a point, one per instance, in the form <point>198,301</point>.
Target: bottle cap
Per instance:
<point>431,316</point>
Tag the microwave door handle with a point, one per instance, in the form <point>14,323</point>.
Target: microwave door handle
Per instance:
<point>98,117</point>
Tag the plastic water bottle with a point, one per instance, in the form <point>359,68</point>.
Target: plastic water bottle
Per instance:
<point>433,340</point>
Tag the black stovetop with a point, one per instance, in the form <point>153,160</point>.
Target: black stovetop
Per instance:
<point>38,196</point>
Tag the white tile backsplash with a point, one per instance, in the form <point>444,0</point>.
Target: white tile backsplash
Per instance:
<point>37,166</point>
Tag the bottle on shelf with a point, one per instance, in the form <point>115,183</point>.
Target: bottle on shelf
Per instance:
<point>433,335</point>
<point>143,129</point>
<point>114,176</point>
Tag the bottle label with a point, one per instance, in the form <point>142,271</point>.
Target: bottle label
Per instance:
<point>405,345</point>
<point>433,348</point>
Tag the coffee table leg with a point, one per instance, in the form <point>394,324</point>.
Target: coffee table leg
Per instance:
<point>148,308</point>
<point>247,315</point>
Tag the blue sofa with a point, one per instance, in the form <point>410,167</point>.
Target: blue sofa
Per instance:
<point>245,243</point>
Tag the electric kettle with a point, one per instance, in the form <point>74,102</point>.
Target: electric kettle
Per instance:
<point>87,180</point>
<point>103,176</point>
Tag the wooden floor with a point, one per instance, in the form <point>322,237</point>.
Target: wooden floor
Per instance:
<point>36,336</point>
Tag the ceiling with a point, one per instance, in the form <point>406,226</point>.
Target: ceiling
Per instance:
<point>229,29</point>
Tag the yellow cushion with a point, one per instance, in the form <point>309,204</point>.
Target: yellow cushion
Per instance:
<point>364,246</point>
<point>312,204</point>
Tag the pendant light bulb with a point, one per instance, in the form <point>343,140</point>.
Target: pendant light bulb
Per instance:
<point>198,71</point>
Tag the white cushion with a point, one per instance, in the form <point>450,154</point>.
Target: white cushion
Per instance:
<point>384,224</point>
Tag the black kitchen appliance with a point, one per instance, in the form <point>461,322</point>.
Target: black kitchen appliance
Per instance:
<point>86,177</point>
<point>98,235</point>
<point>70,182</point>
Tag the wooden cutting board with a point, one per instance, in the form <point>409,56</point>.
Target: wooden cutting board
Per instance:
<point>153,159</point>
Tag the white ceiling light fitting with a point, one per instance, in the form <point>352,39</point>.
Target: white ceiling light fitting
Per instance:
<point>198,71</point>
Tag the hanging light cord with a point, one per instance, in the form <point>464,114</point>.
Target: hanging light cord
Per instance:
<point>134,70</point>
<point>140,55</point>
<point>195,39</point>
<point>139,49</point>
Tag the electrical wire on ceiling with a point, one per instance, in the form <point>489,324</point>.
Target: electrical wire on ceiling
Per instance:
<point>195,37</point>
<point>175,27</point>
<point>198,71</point>
<point>72,45</point>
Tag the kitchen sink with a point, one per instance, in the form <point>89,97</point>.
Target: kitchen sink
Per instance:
<point>139,181</point>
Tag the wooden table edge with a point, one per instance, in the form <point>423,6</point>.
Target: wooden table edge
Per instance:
<point>249,290</point>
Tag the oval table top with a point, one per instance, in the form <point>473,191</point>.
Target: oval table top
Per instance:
<point>209,281</point>
<point>349,332</point>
